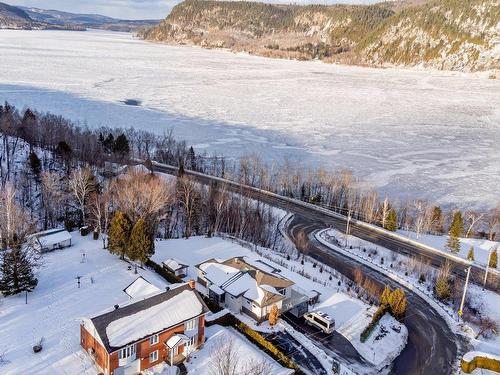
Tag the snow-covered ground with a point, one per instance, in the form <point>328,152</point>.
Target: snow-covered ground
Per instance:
<point>482,247</point>
<point>385,342</point>
<point>346,310</point>
<point>56,306</point>
<point>410,133</point>
<point>246,353</point>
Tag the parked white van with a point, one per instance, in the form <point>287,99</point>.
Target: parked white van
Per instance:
<point>321,320</point>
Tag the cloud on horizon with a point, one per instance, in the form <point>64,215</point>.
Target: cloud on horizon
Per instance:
<point>136,9</point>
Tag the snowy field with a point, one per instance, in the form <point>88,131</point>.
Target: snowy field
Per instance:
<point>55,309</point>
<point>409,133</point>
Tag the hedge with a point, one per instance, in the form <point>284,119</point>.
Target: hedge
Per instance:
<point>480,362</point>
<point>256,338</point>
<point>167,275</point>
<point>382,309</point>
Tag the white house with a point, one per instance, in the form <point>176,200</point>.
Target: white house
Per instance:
<point>176,267</point>
<point>50,240</point>
<point>250,287</point>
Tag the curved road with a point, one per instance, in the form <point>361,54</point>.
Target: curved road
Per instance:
<point>432,347</point>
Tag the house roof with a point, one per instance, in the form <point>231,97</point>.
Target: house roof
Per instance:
<point>174,264</point>
<point>52,236</point>
<point>238,277</point>
<point>140,287</point>
<point>149,316</point>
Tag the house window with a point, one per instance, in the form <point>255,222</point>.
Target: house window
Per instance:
<point>153,357</point>
<point>191,324</point>
<point>128,351</point>
<point>154,339</point>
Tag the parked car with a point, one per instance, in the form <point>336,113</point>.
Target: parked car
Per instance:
<point>320,320</point>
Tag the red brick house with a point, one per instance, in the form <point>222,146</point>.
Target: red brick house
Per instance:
<point>166,327</point>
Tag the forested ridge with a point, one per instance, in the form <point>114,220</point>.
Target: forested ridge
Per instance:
<point>441,34</point>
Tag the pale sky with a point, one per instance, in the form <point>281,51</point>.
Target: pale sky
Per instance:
<point>132,9</point>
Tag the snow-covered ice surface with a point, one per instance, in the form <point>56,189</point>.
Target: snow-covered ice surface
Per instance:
<point>56,307</point>
<point>409,133</point>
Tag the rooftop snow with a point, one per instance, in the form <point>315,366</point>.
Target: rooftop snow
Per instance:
<point>181,307</point>
<point>174,264</point>
<point>140,287</point>
<point>53,238</point>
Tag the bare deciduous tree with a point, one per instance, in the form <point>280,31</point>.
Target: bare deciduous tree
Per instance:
<point>188,197</point>
<point>82,184</point>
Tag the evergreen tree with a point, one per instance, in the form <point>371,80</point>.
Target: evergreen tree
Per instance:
<point>398,303</point>
<point>119,234</point>
<point>108,143</point>
<point>392,220</point>
<point>191,158</point>
<point>494,259</point>
<point>35,164</point>
<point>17,270</point>
<point>141,245</point>
<point>442,288</point>
<point>470,255</point>
<point>64,150</point>
<point>456,230</point>
<point>437,220</point>
<point>274,315</point>
<point>385,296</point>
<point>181,171</point>
<point>121,146</point>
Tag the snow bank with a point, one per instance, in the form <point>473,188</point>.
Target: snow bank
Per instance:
<point>482,247</point>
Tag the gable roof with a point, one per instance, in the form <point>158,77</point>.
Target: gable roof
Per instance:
<point>174,264</point>
<point>140,287</point>
<point>237,277</point>
<point>50,237</point>
<point>144,318</point>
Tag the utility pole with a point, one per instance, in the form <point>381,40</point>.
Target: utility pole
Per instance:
<point>460,312</point>
<point>487,268</point>
<point>347,227</point>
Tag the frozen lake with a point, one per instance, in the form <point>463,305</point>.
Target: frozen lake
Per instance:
<point>410,134</point>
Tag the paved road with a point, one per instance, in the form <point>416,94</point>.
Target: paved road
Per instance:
<point>432,347</point>
<point>335,345</point>
<point>358,230</point>
<point>294,349</point>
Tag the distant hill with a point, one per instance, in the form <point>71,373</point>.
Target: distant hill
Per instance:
<point>26,18</point>
<point>95,21</point>
<point>12,17</point>
<point>459,35</point>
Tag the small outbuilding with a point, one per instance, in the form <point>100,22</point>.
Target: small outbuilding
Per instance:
<point>177,268</point>
<point>141,288</point>
<point>50,240</point>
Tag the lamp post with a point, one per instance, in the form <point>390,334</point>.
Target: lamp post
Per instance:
<point>347,228</point>
<point>460,311</point>
<point>487,268</point>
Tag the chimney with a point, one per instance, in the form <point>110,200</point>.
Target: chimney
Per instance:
<point>192,284</point>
